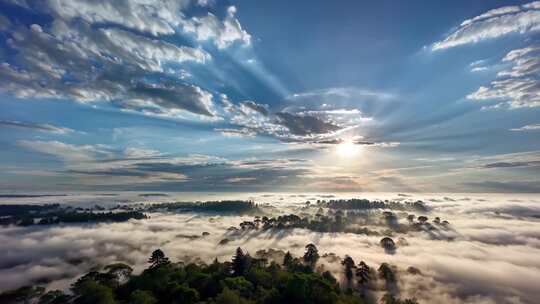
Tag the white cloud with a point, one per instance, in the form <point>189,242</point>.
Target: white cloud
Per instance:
<point>222,32</point>
<point>113,51</point>
<point>492,24</point>
<point>517,86</point>
<point>531,127</point>
<point>67,152</point>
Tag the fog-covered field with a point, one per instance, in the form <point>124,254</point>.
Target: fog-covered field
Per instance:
<point>490,254</point>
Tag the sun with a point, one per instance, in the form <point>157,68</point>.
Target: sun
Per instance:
<point>347,149</point>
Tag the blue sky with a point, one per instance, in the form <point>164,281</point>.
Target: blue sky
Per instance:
<point>270,96</point>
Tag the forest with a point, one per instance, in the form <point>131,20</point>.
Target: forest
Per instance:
<point>242,280</point>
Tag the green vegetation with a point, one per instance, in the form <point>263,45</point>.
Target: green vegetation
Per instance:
<point>365,204</point>
<point>235,206</point>
<point>244,280</point>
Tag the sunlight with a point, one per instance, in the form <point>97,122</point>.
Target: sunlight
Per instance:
<point>348,149</point>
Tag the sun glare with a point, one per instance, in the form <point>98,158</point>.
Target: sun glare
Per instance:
<point>347,149</point>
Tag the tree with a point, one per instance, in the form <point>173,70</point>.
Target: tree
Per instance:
<point>183,294</point>
<point>54,297</point>
<point>363,273</point>
<point>388,244</point>
<point>23,294</point>
<point>142,297</point>
<point>422,219</point>
<point>410,218</point>
<point>91,292</point>
<point>348,262</point>
<point>120,271</point>
<point>239,262</point>
<point>287,260</point>
<point>311,256</point>
<point>158,259</point>
<point>386,273</point>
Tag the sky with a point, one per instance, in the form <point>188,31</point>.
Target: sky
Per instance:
<point>207,95</point>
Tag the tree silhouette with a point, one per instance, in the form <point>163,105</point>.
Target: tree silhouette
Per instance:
<point>388,244</point>
<point>240,262</point>
<point>348,262</point>
<point>363,273</point>
<point>287,260</point>
<point>386,273</point>
<point>158,259</point>
<point>312,255</point>
<point>422,219</point>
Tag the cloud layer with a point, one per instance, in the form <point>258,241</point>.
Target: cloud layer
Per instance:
<point>493,258</point>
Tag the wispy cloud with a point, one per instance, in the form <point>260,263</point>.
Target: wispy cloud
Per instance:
<point>493,24</point>
<point>67,152</point>
<point>531,127</point>
<point>35,127</point>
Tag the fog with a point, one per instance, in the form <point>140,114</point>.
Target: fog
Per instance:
<point>492,256</point>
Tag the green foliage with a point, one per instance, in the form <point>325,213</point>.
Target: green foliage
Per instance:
<point>235,206</point>
<point>24,294</point>
<point>92,292</point>
<point>311,256</point>
<point>158,259</point>
<point>142,297</point>
<point>244,280</point>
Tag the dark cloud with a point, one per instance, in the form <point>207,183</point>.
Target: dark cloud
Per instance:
<point>263,109</point>
<point>305,125</point>
<point>515,164</point>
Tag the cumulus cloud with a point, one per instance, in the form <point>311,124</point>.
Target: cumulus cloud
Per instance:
<point>35,126</point>
<point>222,32</point>
<point>517,86</point>
<point>493,24</point>
<point>287,125</point>
<point>114,51</point>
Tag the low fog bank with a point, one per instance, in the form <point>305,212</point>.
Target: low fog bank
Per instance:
<point>492,256</point>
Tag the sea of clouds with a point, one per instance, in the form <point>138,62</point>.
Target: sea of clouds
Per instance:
<point>492,257</point>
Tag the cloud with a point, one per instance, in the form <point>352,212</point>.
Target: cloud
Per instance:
<point>485,263</point>
<point>493,24</point>
<point>222,32</point>
<point>524,186</point>
<point>99,167</point>
<point>35,126</point>
<point>341,92</point>
<point>115,51</point>
<point>286,125</point>
<point>517,164</point>
<point>243,132</point>
<point>519,85</point>
<point>531,127</point>
<point>305,125</point>
<point>67,152</point>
